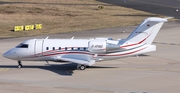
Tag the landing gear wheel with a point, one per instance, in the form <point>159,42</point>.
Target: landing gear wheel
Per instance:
<point>19,64</point>
<point>81,67</point>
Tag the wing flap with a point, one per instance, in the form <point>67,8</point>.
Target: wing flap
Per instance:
<point>78,60</point>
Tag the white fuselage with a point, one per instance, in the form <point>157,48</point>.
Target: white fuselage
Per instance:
<point>53,49</point>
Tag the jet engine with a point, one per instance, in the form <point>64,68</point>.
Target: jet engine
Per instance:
<point>101,46</point>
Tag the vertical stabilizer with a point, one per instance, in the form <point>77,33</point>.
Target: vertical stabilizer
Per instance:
<point>147,30</point>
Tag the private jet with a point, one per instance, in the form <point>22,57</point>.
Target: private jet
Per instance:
<point>86,52</point>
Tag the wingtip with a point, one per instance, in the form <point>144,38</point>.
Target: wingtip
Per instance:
<point>168,17</point>
<point>156,19</point>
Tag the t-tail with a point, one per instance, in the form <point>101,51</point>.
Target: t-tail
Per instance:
<point>140,40</point>
<point>147,30</point>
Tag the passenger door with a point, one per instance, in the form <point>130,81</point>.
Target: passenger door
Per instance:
<point>38,51</point>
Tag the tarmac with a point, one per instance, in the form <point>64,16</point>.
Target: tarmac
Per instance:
<point>159,7</point>
<point>156,72</point>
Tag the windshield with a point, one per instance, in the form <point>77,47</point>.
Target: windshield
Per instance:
<point>22,46</point>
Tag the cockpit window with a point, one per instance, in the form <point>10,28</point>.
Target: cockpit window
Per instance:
<point>22,46</point>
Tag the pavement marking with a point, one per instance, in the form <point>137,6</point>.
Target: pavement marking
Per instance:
<point>138,69</point>
<point>154,4</point>
<point>4,69</point>
<point>167,43</point>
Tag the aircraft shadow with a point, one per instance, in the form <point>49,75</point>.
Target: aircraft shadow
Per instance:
<point>99,67</point>
<point>61,69</point>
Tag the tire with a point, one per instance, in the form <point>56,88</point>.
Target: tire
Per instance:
<point>19,66</point>
<point>82,67</point>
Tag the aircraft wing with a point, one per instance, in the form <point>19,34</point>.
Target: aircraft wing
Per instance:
<point>78,59</point>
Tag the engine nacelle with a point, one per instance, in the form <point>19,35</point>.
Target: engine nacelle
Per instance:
<point>101,46</point>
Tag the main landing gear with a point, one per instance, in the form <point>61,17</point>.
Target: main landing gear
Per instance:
<point>19,64</point>
<point>81,67</point>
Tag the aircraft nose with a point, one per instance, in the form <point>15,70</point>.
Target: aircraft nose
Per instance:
<point>6,54</point>
<point>9,54</point>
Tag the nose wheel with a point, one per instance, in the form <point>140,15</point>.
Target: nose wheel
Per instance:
<point>19,64</point>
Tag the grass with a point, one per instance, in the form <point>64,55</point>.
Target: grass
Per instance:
<point>58,16</point>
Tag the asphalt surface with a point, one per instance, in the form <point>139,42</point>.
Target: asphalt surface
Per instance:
<point>162,7</point>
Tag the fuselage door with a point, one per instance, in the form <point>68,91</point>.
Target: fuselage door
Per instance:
<point>38,48</point>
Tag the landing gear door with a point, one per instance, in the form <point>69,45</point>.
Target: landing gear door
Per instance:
<point>38,51</point>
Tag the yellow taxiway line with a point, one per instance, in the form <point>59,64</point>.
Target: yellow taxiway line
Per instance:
<point>4,69</point>
<point>167,43</point>
<point>136,69</point>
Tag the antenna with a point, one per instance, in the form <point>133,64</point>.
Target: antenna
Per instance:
<point>47,37</point>
<point>72,37</point>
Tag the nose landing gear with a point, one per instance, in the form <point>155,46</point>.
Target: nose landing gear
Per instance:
<point>19,64</point>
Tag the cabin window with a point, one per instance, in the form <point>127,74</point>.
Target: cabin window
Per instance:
<point>47,48</point>
<point>65,48</point>
<point>53,48</point>
<point>59,48</point>
<point>84,48</point>
<point>78,48</point>
<point>72,48</point>
<point>22,46</point>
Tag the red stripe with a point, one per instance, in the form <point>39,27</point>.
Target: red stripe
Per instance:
<point>123,54</point>
<point>135,43</point>
<point>92,54</point>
